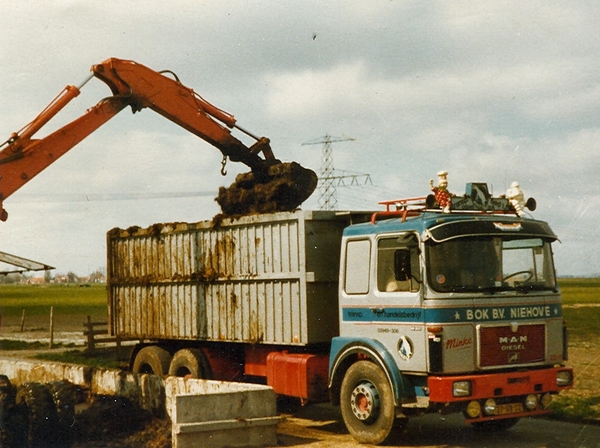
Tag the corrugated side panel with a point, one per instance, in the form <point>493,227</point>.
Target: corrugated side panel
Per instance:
<point>152,293</point>
<point>244,281</point>
<point>259,294</point>
<point>159,311</point>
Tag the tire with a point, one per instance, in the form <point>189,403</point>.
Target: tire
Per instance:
<point>153,360</point>
<point>63,395</point>
<point>7,411</point>
<point>495,425</point>
<point>192,363</point>
<point>41,421</point>
<point>367,403</point>
<point>7,395</point>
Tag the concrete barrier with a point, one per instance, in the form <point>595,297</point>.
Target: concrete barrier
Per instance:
<point>147,391</point>
<point>219,414</point>
<point>226,414</point>
<point>25,371</point>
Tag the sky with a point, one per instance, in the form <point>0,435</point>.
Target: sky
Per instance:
<point>491,92</point>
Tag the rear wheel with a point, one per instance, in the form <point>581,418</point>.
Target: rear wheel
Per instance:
<point>153,360</point>
<point>191,362</point>
<point>367,403</point>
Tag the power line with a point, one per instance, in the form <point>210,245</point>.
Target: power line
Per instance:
<point>92,197</point>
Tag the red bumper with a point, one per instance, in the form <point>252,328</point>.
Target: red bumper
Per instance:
<point>497,385</point>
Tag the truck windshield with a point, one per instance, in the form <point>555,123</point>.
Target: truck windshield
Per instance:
<point>490,264</point>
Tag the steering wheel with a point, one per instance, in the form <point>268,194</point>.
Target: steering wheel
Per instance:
<point>528,274</point>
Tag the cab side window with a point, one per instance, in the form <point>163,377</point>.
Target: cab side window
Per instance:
<point>398,264</point>
<point>357,267</point>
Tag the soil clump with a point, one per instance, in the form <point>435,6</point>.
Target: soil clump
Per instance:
<point>283,187</point>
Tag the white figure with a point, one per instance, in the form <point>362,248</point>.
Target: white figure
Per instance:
<point>515,195</point>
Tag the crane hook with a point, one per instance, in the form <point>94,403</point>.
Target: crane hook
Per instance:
<point>223,164</point>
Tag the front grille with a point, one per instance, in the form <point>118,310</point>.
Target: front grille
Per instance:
<point>511,345</point>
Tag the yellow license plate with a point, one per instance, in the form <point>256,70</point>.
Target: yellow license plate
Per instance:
<point>511,408</point>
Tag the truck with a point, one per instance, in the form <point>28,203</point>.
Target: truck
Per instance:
<point>389,314</point>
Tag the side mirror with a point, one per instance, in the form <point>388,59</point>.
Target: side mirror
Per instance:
<point>402,265</point>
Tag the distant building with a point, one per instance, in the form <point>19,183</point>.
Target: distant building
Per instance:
<point>36,281</point>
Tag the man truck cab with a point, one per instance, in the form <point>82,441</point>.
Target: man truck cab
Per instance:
<point>454,311</point>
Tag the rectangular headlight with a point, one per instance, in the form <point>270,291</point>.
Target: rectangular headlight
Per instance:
<point>461,389</point>
<point>564,378</point>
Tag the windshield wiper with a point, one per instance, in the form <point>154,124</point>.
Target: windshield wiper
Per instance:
<point>491,289</point>
<point>531,287</point>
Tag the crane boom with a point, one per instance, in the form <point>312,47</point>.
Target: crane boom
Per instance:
<point>143,87</point>
<point>22,156</point>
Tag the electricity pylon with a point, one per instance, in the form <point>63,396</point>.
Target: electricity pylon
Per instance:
<point>328,178</point>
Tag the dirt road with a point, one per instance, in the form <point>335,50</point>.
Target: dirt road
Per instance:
<point>321,427</point>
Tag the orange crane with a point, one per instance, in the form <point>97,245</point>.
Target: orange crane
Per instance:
<point>22,156</point>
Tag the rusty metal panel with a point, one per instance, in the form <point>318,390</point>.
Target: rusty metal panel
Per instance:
<point>258,282</point>
<point>151,294</point>
<point>258,279</point>
<point>159,311</point>
<point>256,312</point>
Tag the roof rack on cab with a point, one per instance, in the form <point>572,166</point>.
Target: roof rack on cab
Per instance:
<point>402,208</point>
<point>477,199</point>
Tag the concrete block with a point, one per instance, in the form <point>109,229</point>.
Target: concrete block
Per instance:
<point>188,386</point>
<point>218,417</point>
<point>25,371</point>
<point>147,391</point>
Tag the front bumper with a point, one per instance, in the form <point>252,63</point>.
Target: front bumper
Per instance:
<point>501,395</point>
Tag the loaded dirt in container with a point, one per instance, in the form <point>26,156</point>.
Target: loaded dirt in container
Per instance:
<point>283,187</point>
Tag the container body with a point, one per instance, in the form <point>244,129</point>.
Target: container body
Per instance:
<point>268,279</point>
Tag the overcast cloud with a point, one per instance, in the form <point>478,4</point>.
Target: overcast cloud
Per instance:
<point>489,91</point>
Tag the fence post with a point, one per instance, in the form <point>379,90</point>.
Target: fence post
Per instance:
<point>51,327</point>
<point>90,335</point>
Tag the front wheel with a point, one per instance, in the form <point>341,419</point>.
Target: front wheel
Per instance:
<point>367,403</point>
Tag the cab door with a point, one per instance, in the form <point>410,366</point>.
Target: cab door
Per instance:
<point>380,295</point>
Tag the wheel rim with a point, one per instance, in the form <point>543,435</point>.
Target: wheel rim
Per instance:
<point>364,402</point>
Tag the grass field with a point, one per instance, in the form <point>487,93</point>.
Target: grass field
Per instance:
<point>581,307</point>
<point>580,290</point>
<point>36,300</point>
<point>581,310</point>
